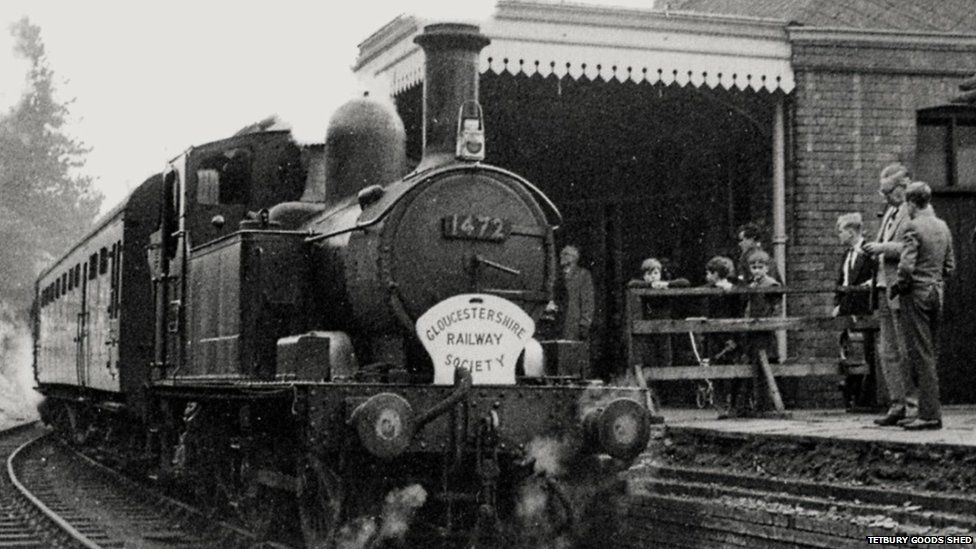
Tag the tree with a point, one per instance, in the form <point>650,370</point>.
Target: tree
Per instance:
<point>45,203</point>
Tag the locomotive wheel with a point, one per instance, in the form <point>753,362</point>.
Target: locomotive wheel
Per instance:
<point>319,503</point>
<point>69,422</point>
<point>255,504</point>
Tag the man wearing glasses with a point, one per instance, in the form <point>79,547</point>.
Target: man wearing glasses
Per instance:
<point>887,247</point>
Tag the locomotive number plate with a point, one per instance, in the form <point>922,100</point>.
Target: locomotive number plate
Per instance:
<point>476,227</point>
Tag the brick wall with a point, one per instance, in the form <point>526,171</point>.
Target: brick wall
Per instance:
<point>853,112</point>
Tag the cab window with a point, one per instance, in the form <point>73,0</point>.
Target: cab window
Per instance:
<point>224,177</point>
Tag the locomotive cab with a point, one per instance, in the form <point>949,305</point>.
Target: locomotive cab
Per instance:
<point>211,195</point>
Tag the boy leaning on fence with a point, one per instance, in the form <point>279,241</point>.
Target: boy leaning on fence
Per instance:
<point>725,348</point>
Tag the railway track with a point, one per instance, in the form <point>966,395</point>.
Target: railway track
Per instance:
<point>19,526</point>
<point>51,496</point>
<point>686,507</point>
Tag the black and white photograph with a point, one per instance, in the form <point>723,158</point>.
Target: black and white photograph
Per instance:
<point>494,274</point>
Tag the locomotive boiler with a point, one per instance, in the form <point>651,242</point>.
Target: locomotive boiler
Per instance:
<point>245,326</point>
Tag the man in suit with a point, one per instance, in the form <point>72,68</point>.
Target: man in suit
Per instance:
<point>575,296</point>
<point>926,261</point>
<point>887,247</point>
<point>856,270</point>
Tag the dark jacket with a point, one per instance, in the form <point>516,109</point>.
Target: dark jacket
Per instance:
<point>763,305</point>
<point>861,274</point>
<point>578,304</point>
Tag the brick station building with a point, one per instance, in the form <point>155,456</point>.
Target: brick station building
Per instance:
<point>657,132</point>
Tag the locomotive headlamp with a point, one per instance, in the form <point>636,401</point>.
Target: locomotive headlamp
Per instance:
<point>471,132</point>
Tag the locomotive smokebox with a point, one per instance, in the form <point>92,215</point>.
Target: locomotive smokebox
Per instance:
<point>364,145</point>
<point>450,79</point>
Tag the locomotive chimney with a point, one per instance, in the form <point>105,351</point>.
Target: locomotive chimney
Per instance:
<point>450,79</point>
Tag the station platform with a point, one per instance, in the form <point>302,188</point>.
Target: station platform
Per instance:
<point>958,426</point>
<point>821,478</point>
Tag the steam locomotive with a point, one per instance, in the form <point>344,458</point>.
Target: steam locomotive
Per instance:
<point>244,326</point>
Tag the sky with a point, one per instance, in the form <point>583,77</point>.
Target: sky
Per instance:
<point>149,79</point>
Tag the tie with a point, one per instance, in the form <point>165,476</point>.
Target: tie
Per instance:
<point>848,265</point>
<point>889,218</point>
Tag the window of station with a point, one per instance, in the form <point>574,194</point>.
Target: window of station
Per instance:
<point>103,261</point>
<point>77,275</point>
<point>71,280</point>
<point>92,266</point>
<point>946,146</point>
<point>57,288</point>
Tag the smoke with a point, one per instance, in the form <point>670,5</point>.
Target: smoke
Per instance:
<point>399,508</point>
<point>307,109</point>
<point>309,118</point>
<point>548,455</point>
<point>544,514</point>
<point>357,534</point>
<point>18,400</point>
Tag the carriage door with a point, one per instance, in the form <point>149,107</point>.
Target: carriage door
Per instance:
<point>89,289</point>
<point>80,274</point>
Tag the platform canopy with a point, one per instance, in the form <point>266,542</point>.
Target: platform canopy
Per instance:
<point>577,40</point>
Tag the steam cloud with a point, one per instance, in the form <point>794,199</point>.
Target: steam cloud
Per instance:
<point>399,508</point>
<point>18,400</point>
<point>542,519</point>
<point>548,455</point>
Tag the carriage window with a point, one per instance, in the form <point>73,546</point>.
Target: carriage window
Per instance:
<point>103,261</point>
<point>77,275</point>
<point>92,266</point>
<point>225,178</point>
<point>57,288</point>
<point>169,218</point>
<point>71,279</point>
<point>945,152</point>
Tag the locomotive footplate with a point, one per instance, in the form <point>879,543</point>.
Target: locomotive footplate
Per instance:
<point>523,414</point>
<point>576,417</point>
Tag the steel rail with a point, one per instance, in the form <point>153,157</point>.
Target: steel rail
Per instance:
<point>51,515</point>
